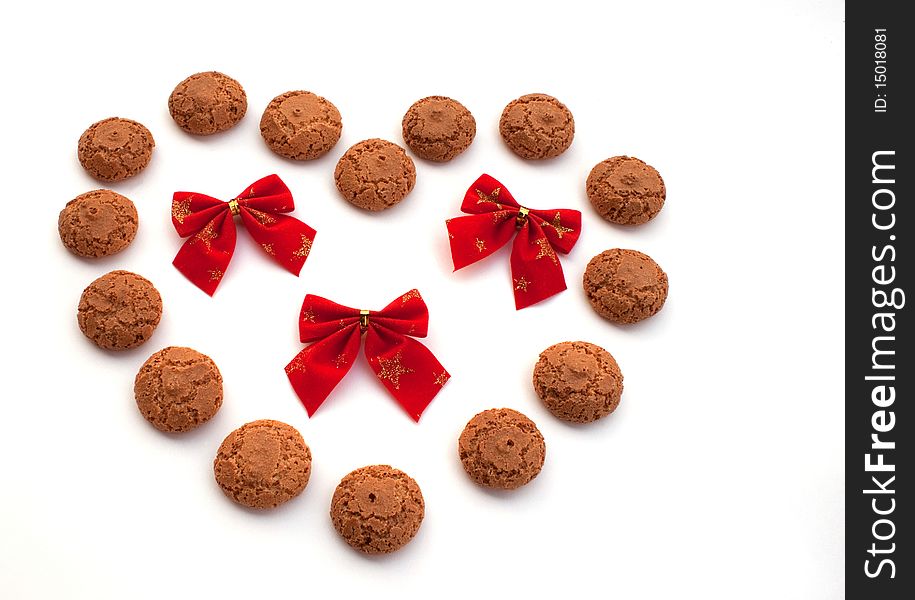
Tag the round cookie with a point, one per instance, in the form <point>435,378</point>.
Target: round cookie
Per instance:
<point>375,174</point>
<point>263,464</point>
<point>438,128</point>
<point>97,223</point>
<point>578,382</point>
<point>626,191</point>
<point>119,310</point>
<point>501,448</point>
<point>207,103</point>
<point>537,126</point>
<point>377,509</point>
<point>115,149</point>
<point>625,286</point>
<point>178,389</point>
<point>301,125</point>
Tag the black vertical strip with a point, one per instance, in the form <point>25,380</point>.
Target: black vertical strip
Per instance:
<point>879,371</point>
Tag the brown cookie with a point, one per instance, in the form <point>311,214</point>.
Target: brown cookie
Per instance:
<point>263,464</point>
<point>626,191</point>
<point>119,310</point>
<point>301,125</point>
<point>375,174</point>
<point>578,382</point>
<point>501,448</point>
<point>377,509</point>
<point>115,149</point>
<point>438,128</point>
<point>625,286</point>
<point>206,103</point>
<point>537,126</point>
<point>178,389</point>
<point>97,223</point>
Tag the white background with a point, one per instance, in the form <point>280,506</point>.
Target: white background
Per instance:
<point>720,476</point>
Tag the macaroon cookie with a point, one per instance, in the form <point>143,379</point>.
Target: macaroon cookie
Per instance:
<point>377,509</point>
<point>537,126</point>
<point>178,389</point>
<point>263,464</point>
<point>625,286</point>
<point>119,310</point>
<point>375,174</point>
<point>501,448</point>
<point>301,125</point>
<point>207,103</point>
<point>625,190</point>
<point>438,128</point>
<point>115,149</point>
<point>98,223</point>
<point>578,382</point>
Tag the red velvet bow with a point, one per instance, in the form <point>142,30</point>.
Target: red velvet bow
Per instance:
<point>204,257</point>
<point>494,218</point>
<point>407,368</point>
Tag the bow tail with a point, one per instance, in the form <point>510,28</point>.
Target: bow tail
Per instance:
<point>204,257</point>
<point>536,272</point>
<point>475,237</point>
<point>408,369</point>
<point>316,370</point>
<point>286,239</point>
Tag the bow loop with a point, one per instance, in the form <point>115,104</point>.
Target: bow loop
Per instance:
<point>211,227</point>
<point>407,315</point>
<point>494,219</point>
<point>488,195</point>
<point>408,370</point>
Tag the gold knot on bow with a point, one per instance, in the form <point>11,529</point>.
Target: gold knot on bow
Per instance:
<point>363,319</point>
<point>521,219</point>
<point>233,206</point>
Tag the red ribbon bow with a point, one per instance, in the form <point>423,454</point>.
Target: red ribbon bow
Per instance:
<point>494,218</point>
<point>204,257</point>
<point>409,371</point>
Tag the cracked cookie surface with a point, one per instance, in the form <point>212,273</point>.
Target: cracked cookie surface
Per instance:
<point>625,286</point>
<point>115,149</point>
<point>537,126</point>
<point>119,310</point>
<point>625,190</point>
<point>578,382</point>
<point>97,223</point>
<point>263,464</point>
<point>178,389</point>
<point>207,103</point>
<point>301,125</point>
<point>438,128</point>
<point>501,448</point>
<point>377,509</point>
<point>375,174</point>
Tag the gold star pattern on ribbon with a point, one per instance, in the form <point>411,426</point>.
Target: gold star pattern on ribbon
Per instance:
<point>409,296</point>
<point>261,217</point>
<point>296,365</point>
<point>305,248</point>
<point>480,244</point>
<point>181,209</point>
<point>215,274</point>
<point>309,315</point>
<point>207,235</point>
<point>546,250</point>
<point>442,378</point>
<point>521,284</point>
<point>500,216</point>
<point>268,248</point>
<point>492,197</point>
<point>557,225</point>
<point>340,360</point>
<point>392,369</point>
